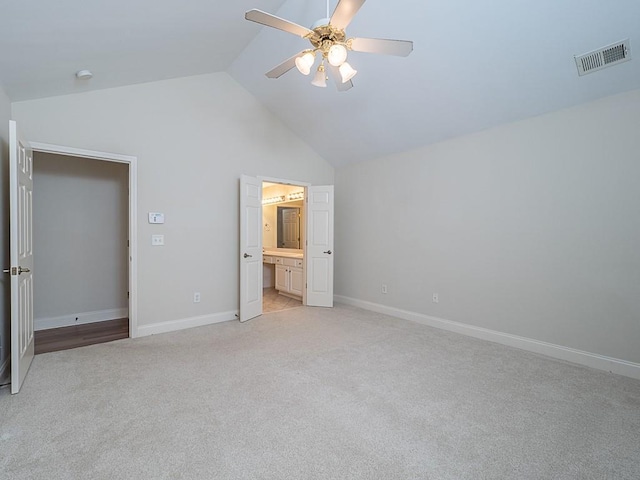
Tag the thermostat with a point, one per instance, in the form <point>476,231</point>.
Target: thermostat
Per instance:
<point>156,217</point>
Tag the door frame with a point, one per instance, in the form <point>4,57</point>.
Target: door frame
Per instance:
<point>132,163</point>
<point>305,185</point>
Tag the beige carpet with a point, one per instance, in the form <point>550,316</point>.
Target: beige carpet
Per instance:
<point>312,394</point>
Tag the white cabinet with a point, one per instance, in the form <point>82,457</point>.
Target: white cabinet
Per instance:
<point>296,280</point>
<point>282,278</point>
<point>289,276</point>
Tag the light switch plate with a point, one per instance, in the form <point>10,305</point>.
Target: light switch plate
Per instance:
<point>157,240</point>
<point>155,217</point>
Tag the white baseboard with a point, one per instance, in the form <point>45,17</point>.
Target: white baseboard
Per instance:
<point>173,325</point>
<point>45,323</point>
<point>5,376</point>
<point>593,360</point>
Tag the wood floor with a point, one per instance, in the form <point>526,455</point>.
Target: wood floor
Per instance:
<point>64,338</point>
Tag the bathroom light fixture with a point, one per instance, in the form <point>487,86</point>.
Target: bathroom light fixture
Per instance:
<point>296,195</point>
<point>271,200</point>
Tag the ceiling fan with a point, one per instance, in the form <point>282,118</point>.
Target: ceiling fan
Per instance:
<point>328,38</point>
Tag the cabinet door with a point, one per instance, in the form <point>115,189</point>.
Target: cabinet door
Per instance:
<point>296,281</point>
<point>282,278</point>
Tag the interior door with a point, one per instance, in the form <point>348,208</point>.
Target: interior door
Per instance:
<point>250,248</point>
<point>21,256</point>
<point>319,256</point>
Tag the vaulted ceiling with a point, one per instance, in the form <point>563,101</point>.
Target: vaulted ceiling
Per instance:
<point>474,65</point>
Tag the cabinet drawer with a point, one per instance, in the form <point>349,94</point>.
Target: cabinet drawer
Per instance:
<point>278,260</point>
<point>291,262</point>
<point>298,263</point>
<point>267,259</point>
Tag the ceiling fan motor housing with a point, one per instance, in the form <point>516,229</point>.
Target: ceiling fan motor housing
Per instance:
<point>325,36</point>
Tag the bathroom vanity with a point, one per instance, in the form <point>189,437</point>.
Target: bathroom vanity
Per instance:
<point>288,268</point>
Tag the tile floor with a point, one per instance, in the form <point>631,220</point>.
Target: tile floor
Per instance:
<point>272,301</point>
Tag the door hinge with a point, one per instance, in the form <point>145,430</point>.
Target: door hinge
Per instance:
<point>11,271</point>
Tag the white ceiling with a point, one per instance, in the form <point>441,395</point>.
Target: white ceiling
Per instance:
<point>474,65</point>
<point>43,42</point>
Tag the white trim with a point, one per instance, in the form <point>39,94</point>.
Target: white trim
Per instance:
<point>593,360</point>
<point>282,181</point>
<point>174,325</point>
<point>5,371</point>
<point>79,152</point>
<point>44,323</point>
<point>133,213</point>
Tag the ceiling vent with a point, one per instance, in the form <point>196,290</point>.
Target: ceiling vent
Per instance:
<point>603,57</point>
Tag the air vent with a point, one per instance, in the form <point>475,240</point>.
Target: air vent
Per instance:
<point>603,57</point>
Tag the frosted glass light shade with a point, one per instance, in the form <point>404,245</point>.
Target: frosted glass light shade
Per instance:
<point>304,62</point>
<point>320,80</point>
<point>347,72</point>
<point>337,55</point>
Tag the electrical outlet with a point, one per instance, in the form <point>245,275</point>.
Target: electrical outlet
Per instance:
<point>196,297</point>
<point>384,288</point>
<point>157,240</point>
<point>435,298</point>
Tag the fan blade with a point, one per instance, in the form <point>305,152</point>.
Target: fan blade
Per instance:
<point>269,20</point>
<point>402,48</point>
<point>284,67</point>
<point>335,73</point>
<point>344,13</point>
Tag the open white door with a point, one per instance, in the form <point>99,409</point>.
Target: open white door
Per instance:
<point>319,256</point>
<point>21,256</point>
<point>250,248</point>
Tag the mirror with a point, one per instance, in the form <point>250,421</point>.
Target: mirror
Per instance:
<point>289,227</point>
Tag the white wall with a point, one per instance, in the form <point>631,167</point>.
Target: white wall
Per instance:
<point>532,229</point>
<point>193,138</point>
<point>80,223</point>
<point>5,320</point>
<point>269,226</point>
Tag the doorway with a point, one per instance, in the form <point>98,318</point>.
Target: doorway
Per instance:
<point>309,277</point>
<point>108,323</point>
<point>80,234</point>
<point>283,237</point>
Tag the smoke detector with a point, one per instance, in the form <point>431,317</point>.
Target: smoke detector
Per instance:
<point>604,57</point>
<point>84,74</point>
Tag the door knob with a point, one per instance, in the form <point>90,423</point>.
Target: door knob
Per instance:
<point>16,270</point>
<point>328,251</point>
<point>246,255</point>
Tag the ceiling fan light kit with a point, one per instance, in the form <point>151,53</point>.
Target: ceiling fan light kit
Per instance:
<point>337,55</point>
<point>327,36</point>
<point>305,61</point>
<point>347,72</point>
<point>320,79</point>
